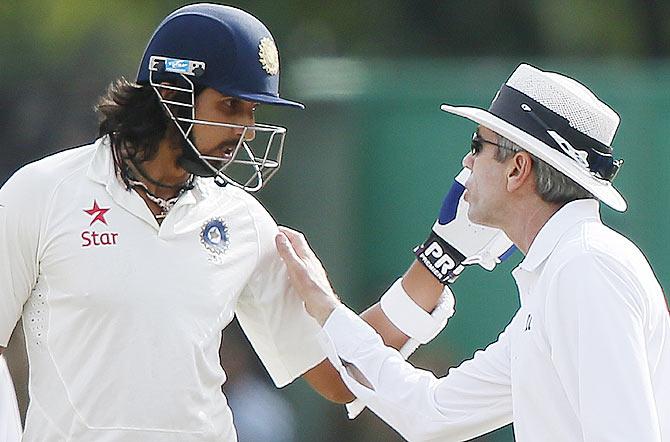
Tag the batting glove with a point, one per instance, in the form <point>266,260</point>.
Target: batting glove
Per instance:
<point>455,242</point>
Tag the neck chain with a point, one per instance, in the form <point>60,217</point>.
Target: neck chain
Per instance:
<point>164,204</point>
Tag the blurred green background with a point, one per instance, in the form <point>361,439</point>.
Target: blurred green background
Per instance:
<point>367,163</point>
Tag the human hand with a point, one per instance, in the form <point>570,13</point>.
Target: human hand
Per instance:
<point>307,275</point>
<point>455,242</point>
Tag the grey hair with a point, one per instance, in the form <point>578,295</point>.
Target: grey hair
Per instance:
<point>552,185</point>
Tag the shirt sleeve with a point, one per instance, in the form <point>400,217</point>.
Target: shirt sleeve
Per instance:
<point>470,400</point>
<point>19,234</point>
<point>274,319</point>
<point>595,324</point>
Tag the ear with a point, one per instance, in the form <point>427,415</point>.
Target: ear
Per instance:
<point>520,171</point>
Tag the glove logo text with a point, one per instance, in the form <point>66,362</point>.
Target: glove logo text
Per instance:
<point>443,261</point>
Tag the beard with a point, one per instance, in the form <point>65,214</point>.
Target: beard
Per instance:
<point>190,158</point>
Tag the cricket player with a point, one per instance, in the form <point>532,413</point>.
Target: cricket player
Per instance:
<point>126,258</point>
<point>587,355</point>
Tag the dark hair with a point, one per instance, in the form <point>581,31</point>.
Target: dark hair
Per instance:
<point>134,119</point>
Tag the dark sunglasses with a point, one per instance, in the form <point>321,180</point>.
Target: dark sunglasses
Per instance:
<point>477,144</point>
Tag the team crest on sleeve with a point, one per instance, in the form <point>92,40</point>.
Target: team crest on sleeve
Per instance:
<point>215,238</point>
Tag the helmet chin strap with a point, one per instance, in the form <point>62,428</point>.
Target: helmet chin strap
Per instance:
<point>145,175</point>
<point>192,163</point>
<point>195,166</point>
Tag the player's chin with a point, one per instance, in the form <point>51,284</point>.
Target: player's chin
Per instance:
<point>473,214</point>
<point>482,219</point>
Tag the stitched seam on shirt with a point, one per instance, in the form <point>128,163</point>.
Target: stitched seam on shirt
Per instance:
<point>36,403</point>
<point>45,225</point>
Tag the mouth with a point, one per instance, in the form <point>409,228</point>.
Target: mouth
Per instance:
<point>226,151</point>
<point>220,155</point>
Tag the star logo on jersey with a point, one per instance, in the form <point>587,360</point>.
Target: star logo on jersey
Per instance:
<point>97,212</point>
<point>93,238</point>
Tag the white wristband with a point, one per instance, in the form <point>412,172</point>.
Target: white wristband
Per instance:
<point>411,319</point>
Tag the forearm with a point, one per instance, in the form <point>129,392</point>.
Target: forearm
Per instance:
<point>325,380</point>
<point>310,281</point>
<point>422,287</point>
<point>424,290</point>
<point>472,400</point>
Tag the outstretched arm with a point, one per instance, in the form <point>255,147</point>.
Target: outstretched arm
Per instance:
<point>407,315</point>
<point>453,243</point>
<point>473,399</point>
<point>307,273</point>
<point>417,281</point>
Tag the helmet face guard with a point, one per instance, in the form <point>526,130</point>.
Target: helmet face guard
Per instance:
<point>241,167</point>
<point>229,50</point>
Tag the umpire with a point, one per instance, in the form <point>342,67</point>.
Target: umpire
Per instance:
<point>587,355</point>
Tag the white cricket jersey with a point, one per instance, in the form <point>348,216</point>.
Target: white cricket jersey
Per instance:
<point>123,317</point>
<point>585,358</point>
<point>10,420</point>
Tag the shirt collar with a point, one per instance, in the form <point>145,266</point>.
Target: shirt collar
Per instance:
<point>101,170</point>
<point>571,214</point>
<point>101,167</point>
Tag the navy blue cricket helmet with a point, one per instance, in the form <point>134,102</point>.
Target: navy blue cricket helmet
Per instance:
<point>232,52</point>
<point>239,54</point>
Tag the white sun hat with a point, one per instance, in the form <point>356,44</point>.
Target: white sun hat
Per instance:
<point>561,122</point>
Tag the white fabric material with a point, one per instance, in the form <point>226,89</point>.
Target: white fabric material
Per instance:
<point>585,358</point>
<point>405,314</point>
<point>10,420</point>
<point>413,320</point>
<point>123,336</point>
<point>569,99</point>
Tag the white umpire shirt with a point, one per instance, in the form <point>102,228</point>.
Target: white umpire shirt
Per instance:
<point>123,316</point>
<point>585,358</point>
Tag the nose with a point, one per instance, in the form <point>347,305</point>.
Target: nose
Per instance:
<point>248,120</point>
<point>468,160</point>
<point>246,133</point>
